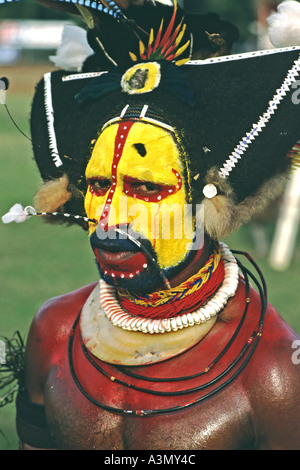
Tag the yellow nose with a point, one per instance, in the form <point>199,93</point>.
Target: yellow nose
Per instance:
<point>114,211</point>
<point>121,210</point>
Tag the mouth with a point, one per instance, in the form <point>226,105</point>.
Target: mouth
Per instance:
<point>123,264</point>
<point>114,257</point>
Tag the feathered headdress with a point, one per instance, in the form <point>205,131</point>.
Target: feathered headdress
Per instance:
<point>234,116</point>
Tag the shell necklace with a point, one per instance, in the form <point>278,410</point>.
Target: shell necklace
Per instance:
<point>119,317</point>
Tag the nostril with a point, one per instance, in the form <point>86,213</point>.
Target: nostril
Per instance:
<point>117,232</point>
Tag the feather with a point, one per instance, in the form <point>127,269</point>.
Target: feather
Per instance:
<point>170,26</point>
<point>284,25</point>
<point>100,86</point>
<point>164,48</point>
<point>174,39</point>
<point>15,214</point>
<point>158,37</point>
<point>52,195</point>
<point>133,57</point>
<point>11,368</point>
<point>73,50</point>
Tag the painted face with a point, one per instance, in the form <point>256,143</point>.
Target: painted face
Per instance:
<point>135,183</point>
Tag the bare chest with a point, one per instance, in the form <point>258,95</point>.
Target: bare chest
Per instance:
<point>179,403</point>
<point>99,416</point>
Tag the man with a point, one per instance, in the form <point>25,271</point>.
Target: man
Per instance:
<point>173,349</point>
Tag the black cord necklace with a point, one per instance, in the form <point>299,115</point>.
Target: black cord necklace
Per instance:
<point>245,355</point>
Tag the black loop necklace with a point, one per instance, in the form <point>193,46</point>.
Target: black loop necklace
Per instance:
<point>241,360</point>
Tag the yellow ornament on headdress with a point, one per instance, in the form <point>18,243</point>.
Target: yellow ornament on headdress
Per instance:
<point>141,78</point>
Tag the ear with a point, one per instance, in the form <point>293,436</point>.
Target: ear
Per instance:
<point>53,195</point>
<point>222,215</point>
<point>217,216</point>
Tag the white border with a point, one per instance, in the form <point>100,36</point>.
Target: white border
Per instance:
<point>50,120</point>
<point>244,55</point>
<point>258,127</point>
<point>82,76</point>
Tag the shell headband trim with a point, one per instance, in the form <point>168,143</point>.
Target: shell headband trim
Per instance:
<point>262,122</point>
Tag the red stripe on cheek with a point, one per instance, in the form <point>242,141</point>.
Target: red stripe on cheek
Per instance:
<point>120,141</point>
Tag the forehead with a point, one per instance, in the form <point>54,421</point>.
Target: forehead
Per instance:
<point>146,147</point>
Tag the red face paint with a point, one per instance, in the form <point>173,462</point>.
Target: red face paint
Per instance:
<point>132,187</point>
<point>120,140</point>
<point>148,191</point>
<point>125,265</point>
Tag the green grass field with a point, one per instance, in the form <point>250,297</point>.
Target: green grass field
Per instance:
<point>39,261</point>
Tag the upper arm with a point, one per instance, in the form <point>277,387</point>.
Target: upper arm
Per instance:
<point>32,427</point>
<point>39,349</point>
<point>48,332</point>
<point>276,399</point>
<point>49,329</point>
<point>34,364</point>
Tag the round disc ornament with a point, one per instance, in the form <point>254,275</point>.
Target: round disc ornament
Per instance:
<point>141,78</point>
<point>210,191</point>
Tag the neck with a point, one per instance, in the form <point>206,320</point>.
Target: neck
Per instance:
<point>105,324</point>
<point>188,290</point>
<point>198,261</point>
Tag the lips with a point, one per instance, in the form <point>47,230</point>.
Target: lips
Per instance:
<point>114,257</point>
<point>124,264</point>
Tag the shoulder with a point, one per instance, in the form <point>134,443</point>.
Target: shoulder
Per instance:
<point>60,310</point>
<point>48,332</point>
<point>273,382</point>
<point>278,340</point>
<point>56,315</point>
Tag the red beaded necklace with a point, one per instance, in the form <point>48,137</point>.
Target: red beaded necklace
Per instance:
<point>188,296</point>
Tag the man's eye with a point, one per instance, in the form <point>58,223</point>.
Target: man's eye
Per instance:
<point>99,186</point>
<point>145,189</point>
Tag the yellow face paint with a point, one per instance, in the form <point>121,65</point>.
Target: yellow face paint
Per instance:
<point>135,179</point>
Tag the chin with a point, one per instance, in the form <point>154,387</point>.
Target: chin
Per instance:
<point>123,264</point>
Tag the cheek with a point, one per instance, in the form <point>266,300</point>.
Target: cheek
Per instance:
<point>93,207</point>
<point>139,218</point>
<point>172,231</point>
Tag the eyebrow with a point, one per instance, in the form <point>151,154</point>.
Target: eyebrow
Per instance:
<point>141,149</point>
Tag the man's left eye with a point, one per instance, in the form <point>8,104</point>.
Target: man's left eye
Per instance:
<point>145,189</point>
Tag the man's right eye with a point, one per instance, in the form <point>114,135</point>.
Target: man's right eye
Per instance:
<point>99,186</point>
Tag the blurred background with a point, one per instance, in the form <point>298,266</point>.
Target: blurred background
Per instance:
<point>38,261</point>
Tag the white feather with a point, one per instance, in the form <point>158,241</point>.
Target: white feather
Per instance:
<point>15,214</point>
<point>284,25</point>
<point>73,50</point>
